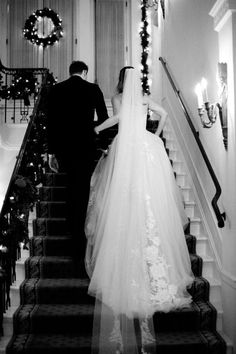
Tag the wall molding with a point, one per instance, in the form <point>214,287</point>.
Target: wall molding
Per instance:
<point>221,12</point>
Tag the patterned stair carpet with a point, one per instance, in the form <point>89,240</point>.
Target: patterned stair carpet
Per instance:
<point>56,314</point>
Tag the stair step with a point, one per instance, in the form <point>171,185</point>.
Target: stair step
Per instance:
<point>75,290</point>
<point>196,264</point>
<point>195,226</point>
<point>67,318</point>
<point>64,267</point>
<point>200,289</point>
<point>191,243</point>
<point>52,226</point>
<point>208,270</point>
<point>51,246</point>
<point>49,343</point>
<point>51,209</point>
<point>189,207</point>
<point>50,267</point>
<point>55,179</point>
<point>54,318</point>
<point>52,193</point>
<point>193,342</point>
<point>57,291</point>
<point>186,193</point>
<point>202,245</point>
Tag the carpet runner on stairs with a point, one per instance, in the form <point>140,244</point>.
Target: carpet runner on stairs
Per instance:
<point>56,314</point>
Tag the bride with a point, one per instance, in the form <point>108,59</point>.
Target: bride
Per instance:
<point>136,257</point>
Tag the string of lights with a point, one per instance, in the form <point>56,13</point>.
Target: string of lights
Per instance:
<point>145,35</point>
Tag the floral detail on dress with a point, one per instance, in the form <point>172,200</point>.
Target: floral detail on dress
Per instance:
<point>148,151</point>
<point>115,336</point>
<point>162,291</point>
<point>146,336</point>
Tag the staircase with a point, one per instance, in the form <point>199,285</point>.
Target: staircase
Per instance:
<point>55,314</point>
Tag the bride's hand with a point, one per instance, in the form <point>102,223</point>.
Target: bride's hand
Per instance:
<point>96,130</point>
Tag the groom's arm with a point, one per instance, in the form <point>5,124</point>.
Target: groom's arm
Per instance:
<point>101,110</point>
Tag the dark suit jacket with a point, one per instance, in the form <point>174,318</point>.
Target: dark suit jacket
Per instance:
<point>70,128</point>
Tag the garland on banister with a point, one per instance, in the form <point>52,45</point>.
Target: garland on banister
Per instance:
<point>23,85</point>
<point>144,35</point>
<point>24,191</point>
<point>31,32</point>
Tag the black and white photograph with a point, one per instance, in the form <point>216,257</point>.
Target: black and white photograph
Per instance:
<point>117,176</point>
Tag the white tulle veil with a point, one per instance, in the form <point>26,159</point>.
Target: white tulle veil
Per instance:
<point>136,255</point>
<point>122,320</point>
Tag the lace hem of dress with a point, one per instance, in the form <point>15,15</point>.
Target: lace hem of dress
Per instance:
<point>162,292</point>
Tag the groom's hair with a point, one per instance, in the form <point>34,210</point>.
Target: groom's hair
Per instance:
<point>76,67</point>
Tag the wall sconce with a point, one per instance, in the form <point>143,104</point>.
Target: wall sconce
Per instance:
<point>207,111</point>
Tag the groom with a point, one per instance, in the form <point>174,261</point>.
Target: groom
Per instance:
<point>71,142</point>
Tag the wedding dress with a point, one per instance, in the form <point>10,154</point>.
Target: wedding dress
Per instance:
<point>136,255</point>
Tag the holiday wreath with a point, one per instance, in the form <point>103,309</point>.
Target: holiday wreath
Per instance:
<point>30,30</point>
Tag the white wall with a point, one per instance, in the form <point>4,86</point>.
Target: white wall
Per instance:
<point>192,47</point>
<point>11,137</point>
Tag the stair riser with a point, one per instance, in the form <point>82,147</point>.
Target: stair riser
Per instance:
<point>189,210</point>
<point>215,294</point>
<point>191,244</point>
<point>173,155</point>
<point>170,144</point>
<point>51,210</point>
<point>51,325</point>
<point>208,270</point>
<point>196,265</point>
<point>8,327</point>
<point>42,246</point>
<point>202,247</point>
<point>47,227</point>
<point>52,194</point>
<point>20,271</point>
<point>181,180</point>
<point>55,296</point>
<point>195,227</point>
<point>186,194</point>
<point>15,296</point>
<point>199,291</point>
<point>45,268</point>
<point>177,166</point>
<point>55,180</point>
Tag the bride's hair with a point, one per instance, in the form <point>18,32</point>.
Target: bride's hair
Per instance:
<point>120,85</point>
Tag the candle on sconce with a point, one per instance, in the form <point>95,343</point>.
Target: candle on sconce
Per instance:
<point>204,90</point>
<point>198,91</point>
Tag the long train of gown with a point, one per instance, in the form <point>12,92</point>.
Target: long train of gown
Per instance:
<point>140,262</point>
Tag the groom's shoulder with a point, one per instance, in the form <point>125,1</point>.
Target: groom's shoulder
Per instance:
<point>93,87</point>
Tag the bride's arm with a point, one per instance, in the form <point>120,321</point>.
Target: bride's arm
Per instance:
<point>107,123</point>
<point>156,108</point>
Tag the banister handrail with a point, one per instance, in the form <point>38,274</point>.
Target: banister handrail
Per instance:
<point>4,69</point>
<point>220,216</point>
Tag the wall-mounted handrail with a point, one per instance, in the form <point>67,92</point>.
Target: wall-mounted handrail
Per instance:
<point>220,216</point>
